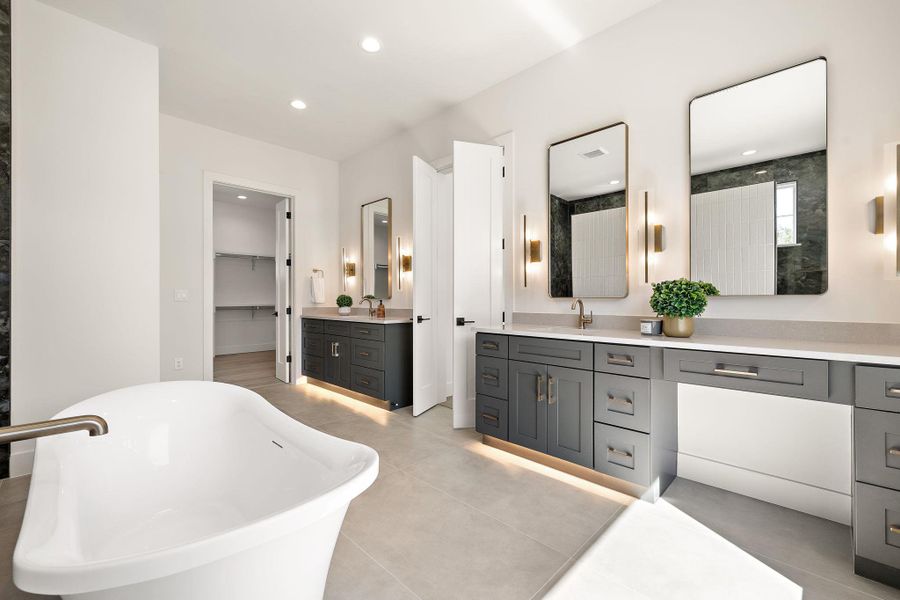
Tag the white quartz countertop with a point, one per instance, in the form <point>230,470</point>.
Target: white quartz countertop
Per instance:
<point>885,354</point>
<point>360,319</point>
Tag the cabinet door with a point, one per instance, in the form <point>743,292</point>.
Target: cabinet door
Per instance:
<point>337,360</point>
<point>528,405</point>
<point>570,415</point>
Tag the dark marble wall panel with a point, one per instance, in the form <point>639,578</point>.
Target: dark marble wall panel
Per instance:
<point>5,216</point>
<point>561,235</point>
<point>801,269</point>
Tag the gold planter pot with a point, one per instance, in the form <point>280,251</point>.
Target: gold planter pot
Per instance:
<point>678,326</point>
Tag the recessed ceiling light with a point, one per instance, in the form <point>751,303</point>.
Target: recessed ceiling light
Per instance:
<point>614,182</point>
<point>370,44</point>
<point>242,197</point>
<point>298,104</point>
<point>761,172</point>
<point>748,152</point>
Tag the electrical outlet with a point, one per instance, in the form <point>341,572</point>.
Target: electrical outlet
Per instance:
<point>179,363</point>
<point>181,295</point>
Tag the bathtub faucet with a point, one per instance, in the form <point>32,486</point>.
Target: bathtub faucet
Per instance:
<point>93,424</point>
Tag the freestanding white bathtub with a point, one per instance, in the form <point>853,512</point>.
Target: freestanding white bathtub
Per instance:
<point>199,491</point>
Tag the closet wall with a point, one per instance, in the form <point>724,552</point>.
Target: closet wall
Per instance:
<point>246,230</point>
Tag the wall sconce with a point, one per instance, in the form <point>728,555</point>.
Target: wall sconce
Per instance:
<point>348,268</point>
<point>877,214</point>
<point>531,251</point>
<point>658,233</point>
<point>404,264</point>
<point>654,235</point>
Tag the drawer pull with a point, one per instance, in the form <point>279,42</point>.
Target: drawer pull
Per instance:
<point>540,388</point>
<point>490,417</point>
<point>618,452</point>
<point>722,370</point>
<point>893,392</point>
<point>490,346</point>
<point>620,359</point>
<point>894,529</point>
<point>364,331</point>
<point>489,377</point>
<point>551,399</point>
<point>365,381</point>
<point>894,451</point>
<point>363,353</point>
<point>627,401</point>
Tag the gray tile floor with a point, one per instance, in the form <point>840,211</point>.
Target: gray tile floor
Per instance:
<point>451,518</point>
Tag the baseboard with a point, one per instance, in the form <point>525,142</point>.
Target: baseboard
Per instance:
<point>242,348</point>
<point>828,504</point>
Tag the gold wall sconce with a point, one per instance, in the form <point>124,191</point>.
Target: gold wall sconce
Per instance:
<point>658,233</point>
<point>654,236</point>
<point>877,213</point>
<point>404,264</point>
<point>348,268</point>
<point>532,251</point>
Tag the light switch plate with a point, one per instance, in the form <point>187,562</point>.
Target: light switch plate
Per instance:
<point>179,363</point>
<point>181,295</point>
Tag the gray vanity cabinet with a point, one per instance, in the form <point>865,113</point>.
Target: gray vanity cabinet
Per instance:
<point>528,405</point>
<point>336,359</point>
<point>570,409</point>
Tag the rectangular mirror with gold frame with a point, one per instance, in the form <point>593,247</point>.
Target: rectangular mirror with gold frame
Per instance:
<point>588,210</point>
<point>375,241</point>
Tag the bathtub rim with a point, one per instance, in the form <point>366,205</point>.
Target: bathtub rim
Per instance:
<point>86,576</point>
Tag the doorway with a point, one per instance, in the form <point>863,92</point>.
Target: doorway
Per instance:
<point>249,288</point>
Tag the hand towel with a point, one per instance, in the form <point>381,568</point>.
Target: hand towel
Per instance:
<point>317,282</point>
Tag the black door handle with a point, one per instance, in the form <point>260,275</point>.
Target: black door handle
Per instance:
<point>461,321</point>
<point>420,319</point>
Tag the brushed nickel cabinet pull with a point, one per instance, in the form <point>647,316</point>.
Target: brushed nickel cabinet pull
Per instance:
<point>490,417</point>
<point>627,401</point>
<point>489,377</point>
<point>612,450</point>
<point>894,528</point>
<point>490,346</point>
<point>893,392</point>
<point>363,353</point>
<point>550,398</point>
<point>894,451</point>
<point>722,370</point>
<point>333,351</point>
<point>365,381</point>
<point>540,388</point>
<point>364,331</point>
<point>620,359</point>
<point>337,349</point>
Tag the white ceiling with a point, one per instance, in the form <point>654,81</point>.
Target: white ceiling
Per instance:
<point>574,176</point>
<point>236,65</point>
<point>779,115</point>
<point>229,194</point>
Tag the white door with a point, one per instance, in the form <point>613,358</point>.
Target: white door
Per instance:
<point>477,262</point>
<point>282,291</point>
<point>430,190</point>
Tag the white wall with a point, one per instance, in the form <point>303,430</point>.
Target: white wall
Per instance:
<point>186,151</point>
<point>85,229</point>
<point>644,72</point>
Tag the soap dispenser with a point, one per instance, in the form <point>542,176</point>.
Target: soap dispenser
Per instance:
<point>379,312</point>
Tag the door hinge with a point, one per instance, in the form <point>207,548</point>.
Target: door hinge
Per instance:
<point>503,244</point>
<point>503,172</point>
<point>503,318</point>
<point>288,358</point>
<point>287,215</point>
<point>288,310</point>
<point>288,261</point>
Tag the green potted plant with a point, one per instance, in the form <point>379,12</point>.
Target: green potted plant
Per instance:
<point>678,301</point>
<point>344,302</point>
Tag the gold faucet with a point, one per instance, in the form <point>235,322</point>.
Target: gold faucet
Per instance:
<point>582,320</point>
<point>371,308</point>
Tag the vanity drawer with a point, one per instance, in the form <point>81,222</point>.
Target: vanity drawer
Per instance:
<point>491,376</point>
<point>491,344</point>
<point>313,343</point>
<point>366,331</point>
<point>622,360</point>
<point>622,453</point>
<point>367,381</point>
<point>492,416</point>
<point>313,366</point>
<point>876,441</point>
<point>336,328</point>
<point>795,377</point>
<point>878,387</point>
<point>367,354</point>
<point>876,530</point>
<point>561,353</point>
<point>622,401</point>
<point>312,326</point>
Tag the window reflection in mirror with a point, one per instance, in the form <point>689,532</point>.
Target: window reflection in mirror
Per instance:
<point>376,243</point>
<point>588,211</point>
<point>759,184</point>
